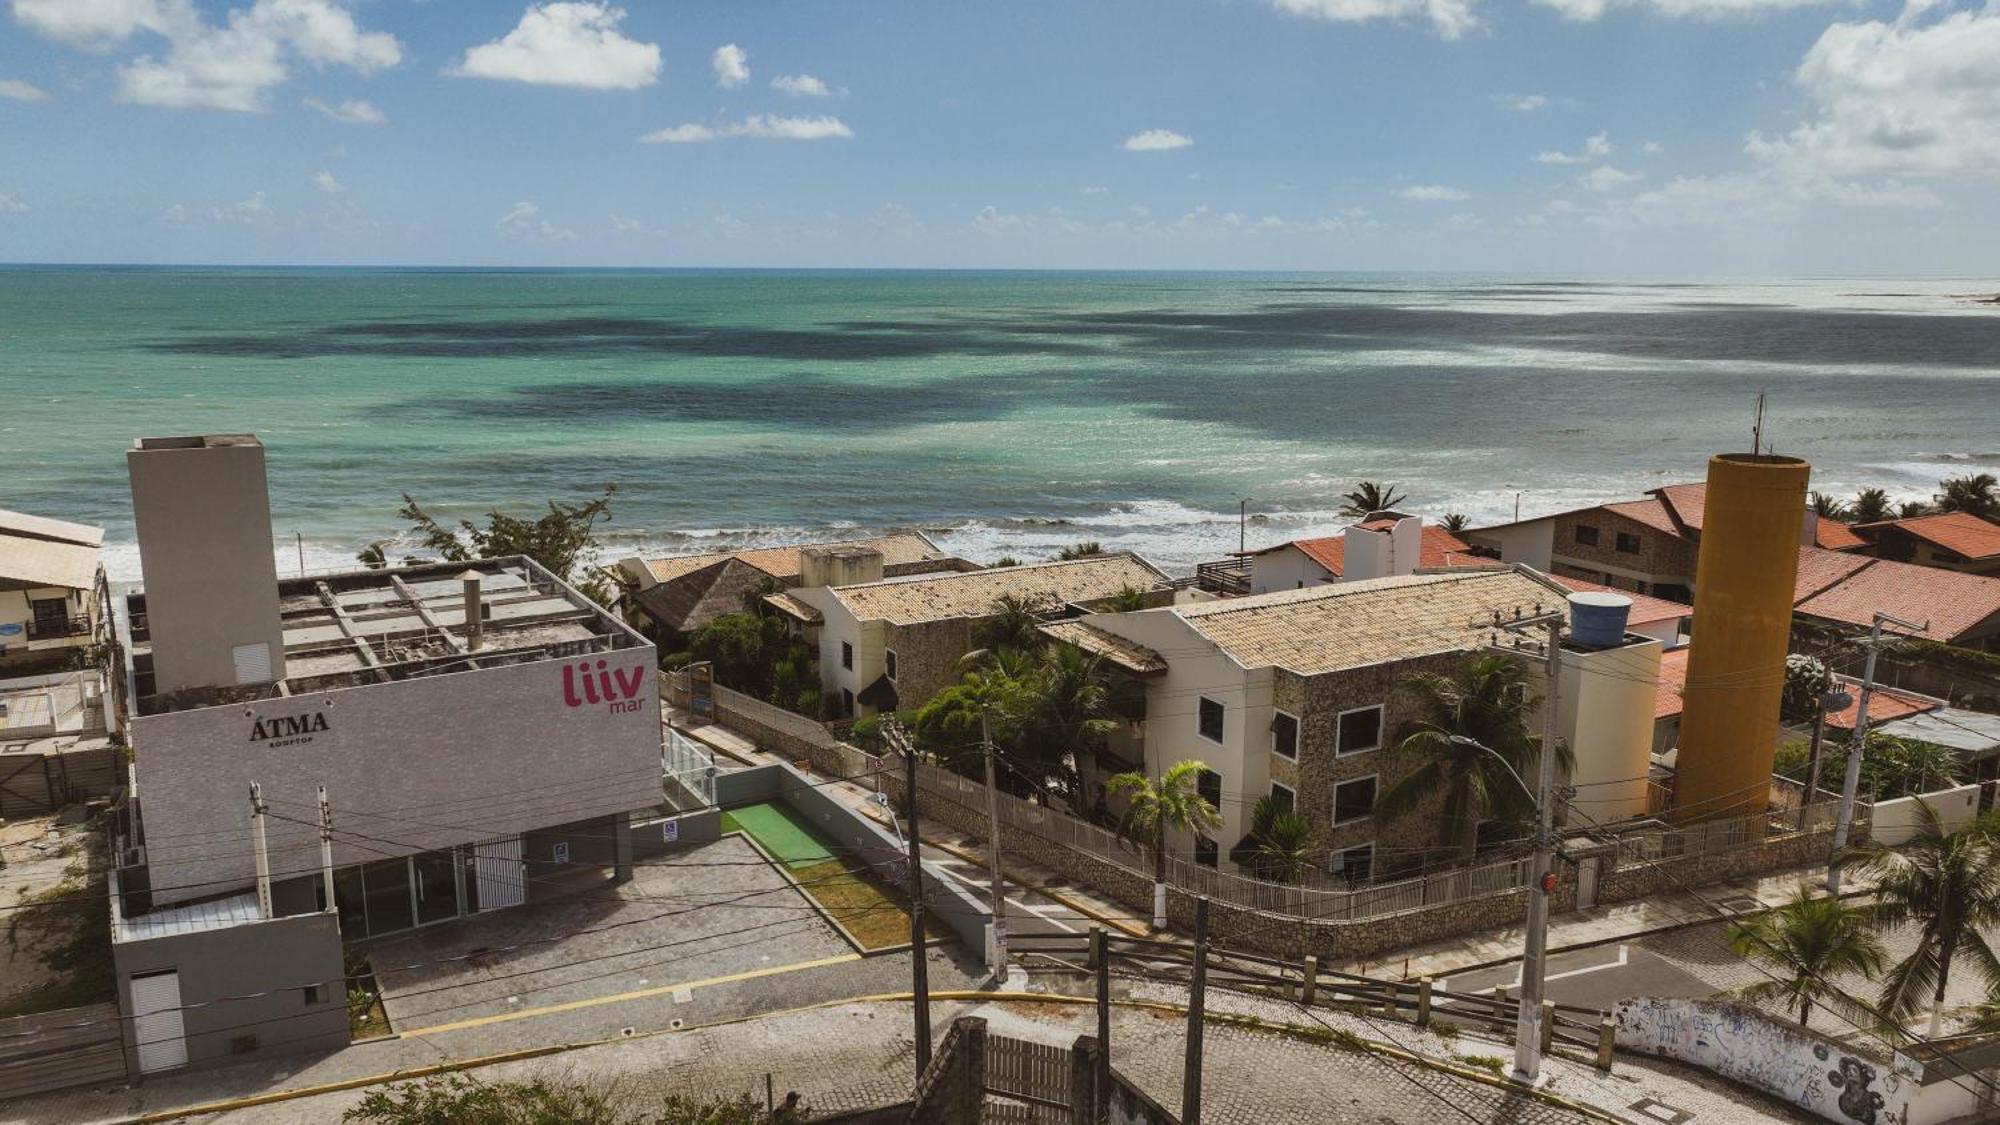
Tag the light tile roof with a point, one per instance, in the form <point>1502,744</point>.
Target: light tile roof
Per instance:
<point>1955,604</point>
<point>45,562</point>
<point>1355,624</point>
<point>792,607</point>
<point>41,527</point>
<point>898,549</point>
<point>1438,548</point>
<point>1127,654</point>
<point>974,593</point>
<point>1961,533</point>
<point>1646,610</point>
<point>697,598</point>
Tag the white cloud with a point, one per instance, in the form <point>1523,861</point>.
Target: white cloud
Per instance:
<point>254,211</point>
<point>804,86</point>
<point>1529,103</point>
<point>1587,10</point>
<point>1897,100</point>
<point>1652,148</point>
<point>1605,178</point>
<point>768,127</point>
<point>229,66</point>
<point>21,91</point>
<point>175,216</point>
<point>524,221</point>
<point>1449,18</point>
<point>354,111</point>
<point>1434,193</point>
<point>566,44</point>
<point>1594,148</point>
<point>328,183</point>
<point>732,66</point>
<point>11,204</point>
<point>626,224</point>
<point>1094,190</point>
<point>1157,140</point>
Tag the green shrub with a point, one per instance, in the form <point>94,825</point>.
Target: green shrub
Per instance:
<point>457,1099</point>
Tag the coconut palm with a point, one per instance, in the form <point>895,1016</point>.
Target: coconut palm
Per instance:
<point>1911,509</point>
<point>1454,522</point>
<point>1283,842</point>
<point>1809,940</point>
<point>1154,809</point>
<point>1015,623</point>
<point>1485,706</point>
<point>1370,497</point>
<point>1976,494</point>
<point>1869,506</point>
<point>1828,507</point>
<point>1087,549</point>
<point>1064,713</point>
<point>1946,881</point>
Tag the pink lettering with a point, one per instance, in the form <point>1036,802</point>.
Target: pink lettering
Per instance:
<point>589,689</point>
<point>569,687</point>
<point>630,688</point>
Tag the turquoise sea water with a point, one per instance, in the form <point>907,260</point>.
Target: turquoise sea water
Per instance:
<point>1010,412</point>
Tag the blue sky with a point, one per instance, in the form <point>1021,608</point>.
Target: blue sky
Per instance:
<point>1609,136</point>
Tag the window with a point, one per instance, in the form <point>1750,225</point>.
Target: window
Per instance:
<point>1358,730</point>
<point>1283,798</point>
<point>889,663</point>
<point>846,701</point>
<point>1208,720</point>
<point>1354,800</point>
<point>1209,787</point>
<point>847,656</point>
<point>1206,852</point>
<point>312,994</point>
<point>1285,736</point>
<point>1586,535</point>
<point>1356,865</point>
<point>1628,543</point>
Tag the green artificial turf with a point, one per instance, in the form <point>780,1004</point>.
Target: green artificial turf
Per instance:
<point>793,843</point>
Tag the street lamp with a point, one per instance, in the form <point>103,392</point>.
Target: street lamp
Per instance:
<point>1528,1022</point>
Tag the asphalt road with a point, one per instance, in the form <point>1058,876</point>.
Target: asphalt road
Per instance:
<point>1592,978</point>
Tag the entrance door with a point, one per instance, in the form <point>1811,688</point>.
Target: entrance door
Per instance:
<point>500,881</point>
<point>1586,883</point>
<point>156,1023</point>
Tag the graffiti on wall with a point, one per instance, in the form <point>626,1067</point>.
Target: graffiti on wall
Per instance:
<point>1819,1076</point>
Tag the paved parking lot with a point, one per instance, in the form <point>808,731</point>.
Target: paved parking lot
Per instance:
<point>718,911</point>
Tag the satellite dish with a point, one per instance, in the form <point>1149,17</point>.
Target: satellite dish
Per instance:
<point>1836,701</point>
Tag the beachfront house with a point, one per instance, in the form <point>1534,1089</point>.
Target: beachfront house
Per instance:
<point>1957,541</point>
<point>1294,695</point>
<point>898,641</point>
<point>1383,545</point>
<point>51,591</point>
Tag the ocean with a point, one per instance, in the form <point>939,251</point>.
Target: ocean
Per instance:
<point>1007,413</point>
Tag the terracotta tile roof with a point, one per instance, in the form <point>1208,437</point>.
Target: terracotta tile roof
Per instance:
<point>782,563</point>
<point>1685,503</point>
<point>1836,536</point>
<point>1820,568</point>
<point>1667,701</point>
<point>1438,548</point>
<point>23,525</point>
<point>1961,533</point>
<point>1652,513</point>
<point>910,601</point>
<point>1646,610</point>
<point>1887,704</point>
<point>1954,604</point>
<point>1127,654</point>
<point>1354,624</point>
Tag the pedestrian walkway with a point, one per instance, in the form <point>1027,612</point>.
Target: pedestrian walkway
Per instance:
<point>1580,929</point>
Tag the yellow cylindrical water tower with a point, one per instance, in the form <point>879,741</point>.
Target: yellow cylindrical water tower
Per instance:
<point>1749,562</point>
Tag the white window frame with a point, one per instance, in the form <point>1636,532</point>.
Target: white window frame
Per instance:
<point>1380,729</point>
<point>889,664</point>
<point>1291,790</point>
<point>1298,732</point>
<point>1335,814</point>
<point>1220,735</point>
<point>1340,858</point>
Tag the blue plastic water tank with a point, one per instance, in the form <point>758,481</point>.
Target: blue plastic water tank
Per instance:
<point>1598,620</point>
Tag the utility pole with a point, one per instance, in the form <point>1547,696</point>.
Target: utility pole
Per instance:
<point>1858,742</point>
<point>326,847</point>
<point>1197,995</point>
<point>1242,524</point>
<point>259,848</point>
<point>1528,1019</point>
<point>920,976</point>
<point>998,955</point>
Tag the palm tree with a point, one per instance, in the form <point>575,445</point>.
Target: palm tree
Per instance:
<point>1065,713</point>
<point>1155,809</point>
<point>1015,623</point>
<point>1870,506</point>
<point>1810,939</point>
<point>1947,881</point>
<point>1911,509</point>
<point>1975,494</point>
<point>1283,842</point>
<point>1828,507</point>
<point>1370,497</point>
<point>1486,706</point>
<point>1454,522</point>
<point>1126,600</point>
<point>1088,548</point>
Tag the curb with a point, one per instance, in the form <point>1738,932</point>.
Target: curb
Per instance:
<point>1047,892</point>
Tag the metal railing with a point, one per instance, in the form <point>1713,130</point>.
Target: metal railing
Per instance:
<point>691,765</point>
<point>58,630</point>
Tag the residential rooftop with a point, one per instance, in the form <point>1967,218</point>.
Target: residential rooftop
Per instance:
<point>38,551</point>
<point>1961,533</point>
<point>1438,547</point>
<point>358,627</point>
<point>902,548</point>
<point>1679,509</point>
<point>1851,589</point>
<point>1324,629</point>
<point>1646,609</point>
<point>917,599</point>
<point>1109,647</point>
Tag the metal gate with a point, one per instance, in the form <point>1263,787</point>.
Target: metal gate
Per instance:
<point>500,877</point>
<point>156,1022</point>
